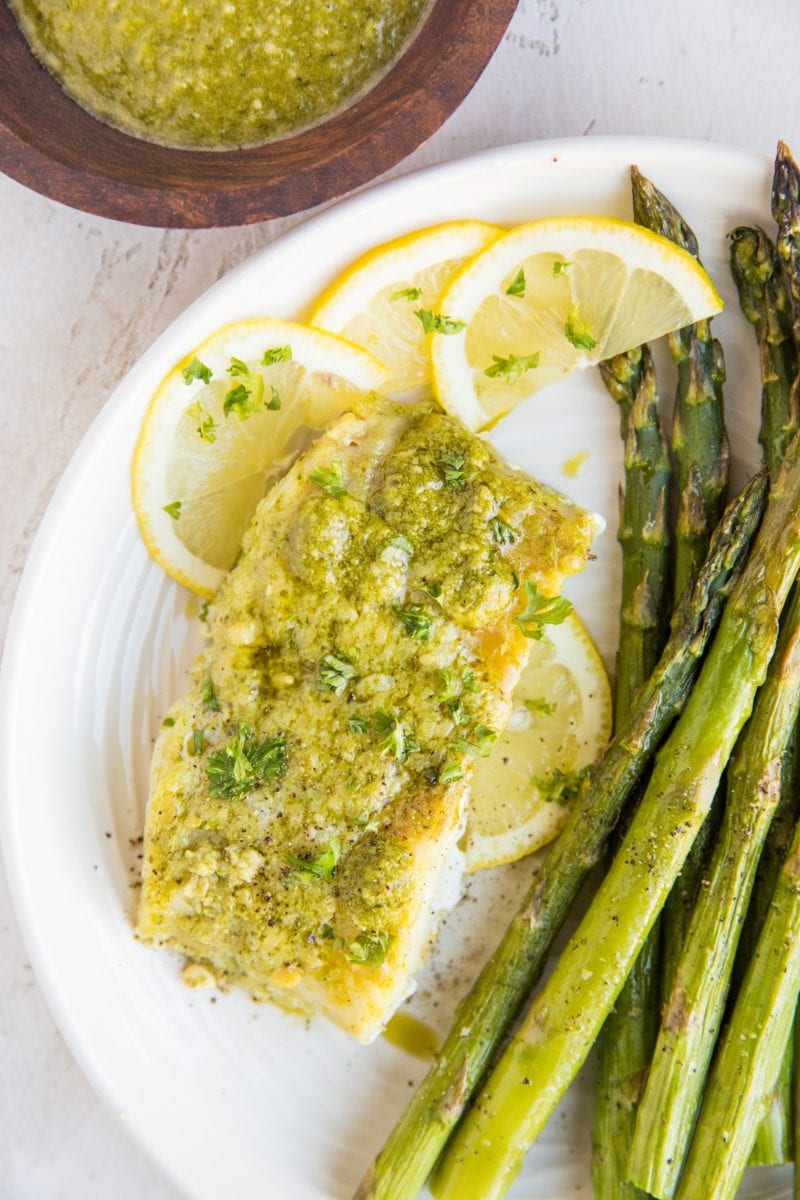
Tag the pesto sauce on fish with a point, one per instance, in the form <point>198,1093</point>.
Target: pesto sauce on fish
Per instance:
<point>215,74</point>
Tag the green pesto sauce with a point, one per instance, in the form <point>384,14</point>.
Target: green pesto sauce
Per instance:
<point>211,73</point>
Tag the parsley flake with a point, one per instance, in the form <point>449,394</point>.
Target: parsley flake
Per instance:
<point>320,866</point>
<point>198,740</point>
<point>330,479</point>
<point>560,787</point>
<point>335,674</point>
<point>434,590</point>
<point>540,707</point>
<point>239,400</point>
<point>449,685</point>
<point>417,623</point>
<point>358,724</point>
<point>457,711</point>
<point>206,425</point>
<point>450,772</point>
<point>503,534</point>
<point>196,370</point>
<point>168,722</point>
<point>238,367</point>
<point>245,763</point>
<point>512,368</point>
<point>275,355</point>
<point>517,285</point>
<point>451,465</point>
<point>560,269</point>
<point>437,322</point>
<point>540,611</point>
<point>173,509</point>
<point>274,402</point>
<point>468,681</point>
<point>409,293</point>
<point>204,607</point>
<point>397,741</point>
<point>579,333</point>
<point>370,949</point>
<point>210,701</point>
<point>482,741</point>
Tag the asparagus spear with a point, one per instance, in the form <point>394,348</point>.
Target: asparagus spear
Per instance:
<point>486,1013</point>
<point>765,301</point>
<point>552,1043</point>
<point>629,1033</point>
<point>692,1019</point>
<point>701,451</point>
<point>752,1048</point>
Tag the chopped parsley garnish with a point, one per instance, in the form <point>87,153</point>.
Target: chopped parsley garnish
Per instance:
<point>560,269</point>
<point>482,741</point>
<point>468,681</point>
<point>206,425</point>
<point>540,611</point>
<point>275,355</point>
<point>451,465</point>
<point>210,701</point>
<point>321,866</point>
<point>457,710</point>
<point>274,402</point>
<point>410,294</point>
<point>358,724</point>
<point>512,368</point>
<point>335,673</point>
<point>173,509</point>
<point>449,685</point>
<point>196,370</point>
<point>450,772</point>
<point>239,400</point>
<point>559,787</point>
<point>579,333</point>
<point>245,763</point>
<point>198,740</point>
<point>327,933</point>
<point>434,590</point>
<point>204,607</point>
<point>168,722</point>
<point>370,949</point>
<point>517,285</point>
<point>330,479</point>
<point>437,322</point>
<point>396,741</point>
<point>541,707</point>
<point>503,534</point>
<point>238,367</point>
<point>416,622</point>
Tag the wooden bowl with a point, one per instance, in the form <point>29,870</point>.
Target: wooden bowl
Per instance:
<point>52,145</point>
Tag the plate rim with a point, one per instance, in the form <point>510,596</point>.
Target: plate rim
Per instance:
<point>623,147</point>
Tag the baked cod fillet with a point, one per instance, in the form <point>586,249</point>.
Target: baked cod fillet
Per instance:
<point>309,790</point>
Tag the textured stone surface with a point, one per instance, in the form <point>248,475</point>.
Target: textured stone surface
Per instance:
<point>81,298</point>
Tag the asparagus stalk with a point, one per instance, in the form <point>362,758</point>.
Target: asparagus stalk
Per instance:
<point>701,452</point>
<point>629,1033</point>
<point>564,1020</point>
<point>692,1019</point>
<point>766,302</point>
<point>485,1014</point>
<point>752,1048</point>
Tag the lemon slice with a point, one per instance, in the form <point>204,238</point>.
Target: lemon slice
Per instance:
<point>376,301</point>
<point>554,296</point>
<point>228,419</point>
<point>561,719</point>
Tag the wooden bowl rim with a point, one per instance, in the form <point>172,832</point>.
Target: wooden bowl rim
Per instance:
<point>52,145</point>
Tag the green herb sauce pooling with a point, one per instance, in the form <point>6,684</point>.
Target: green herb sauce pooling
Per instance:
<point>215,73</point>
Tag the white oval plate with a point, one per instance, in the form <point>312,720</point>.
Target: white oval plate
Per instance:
<point>233,1099</point>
